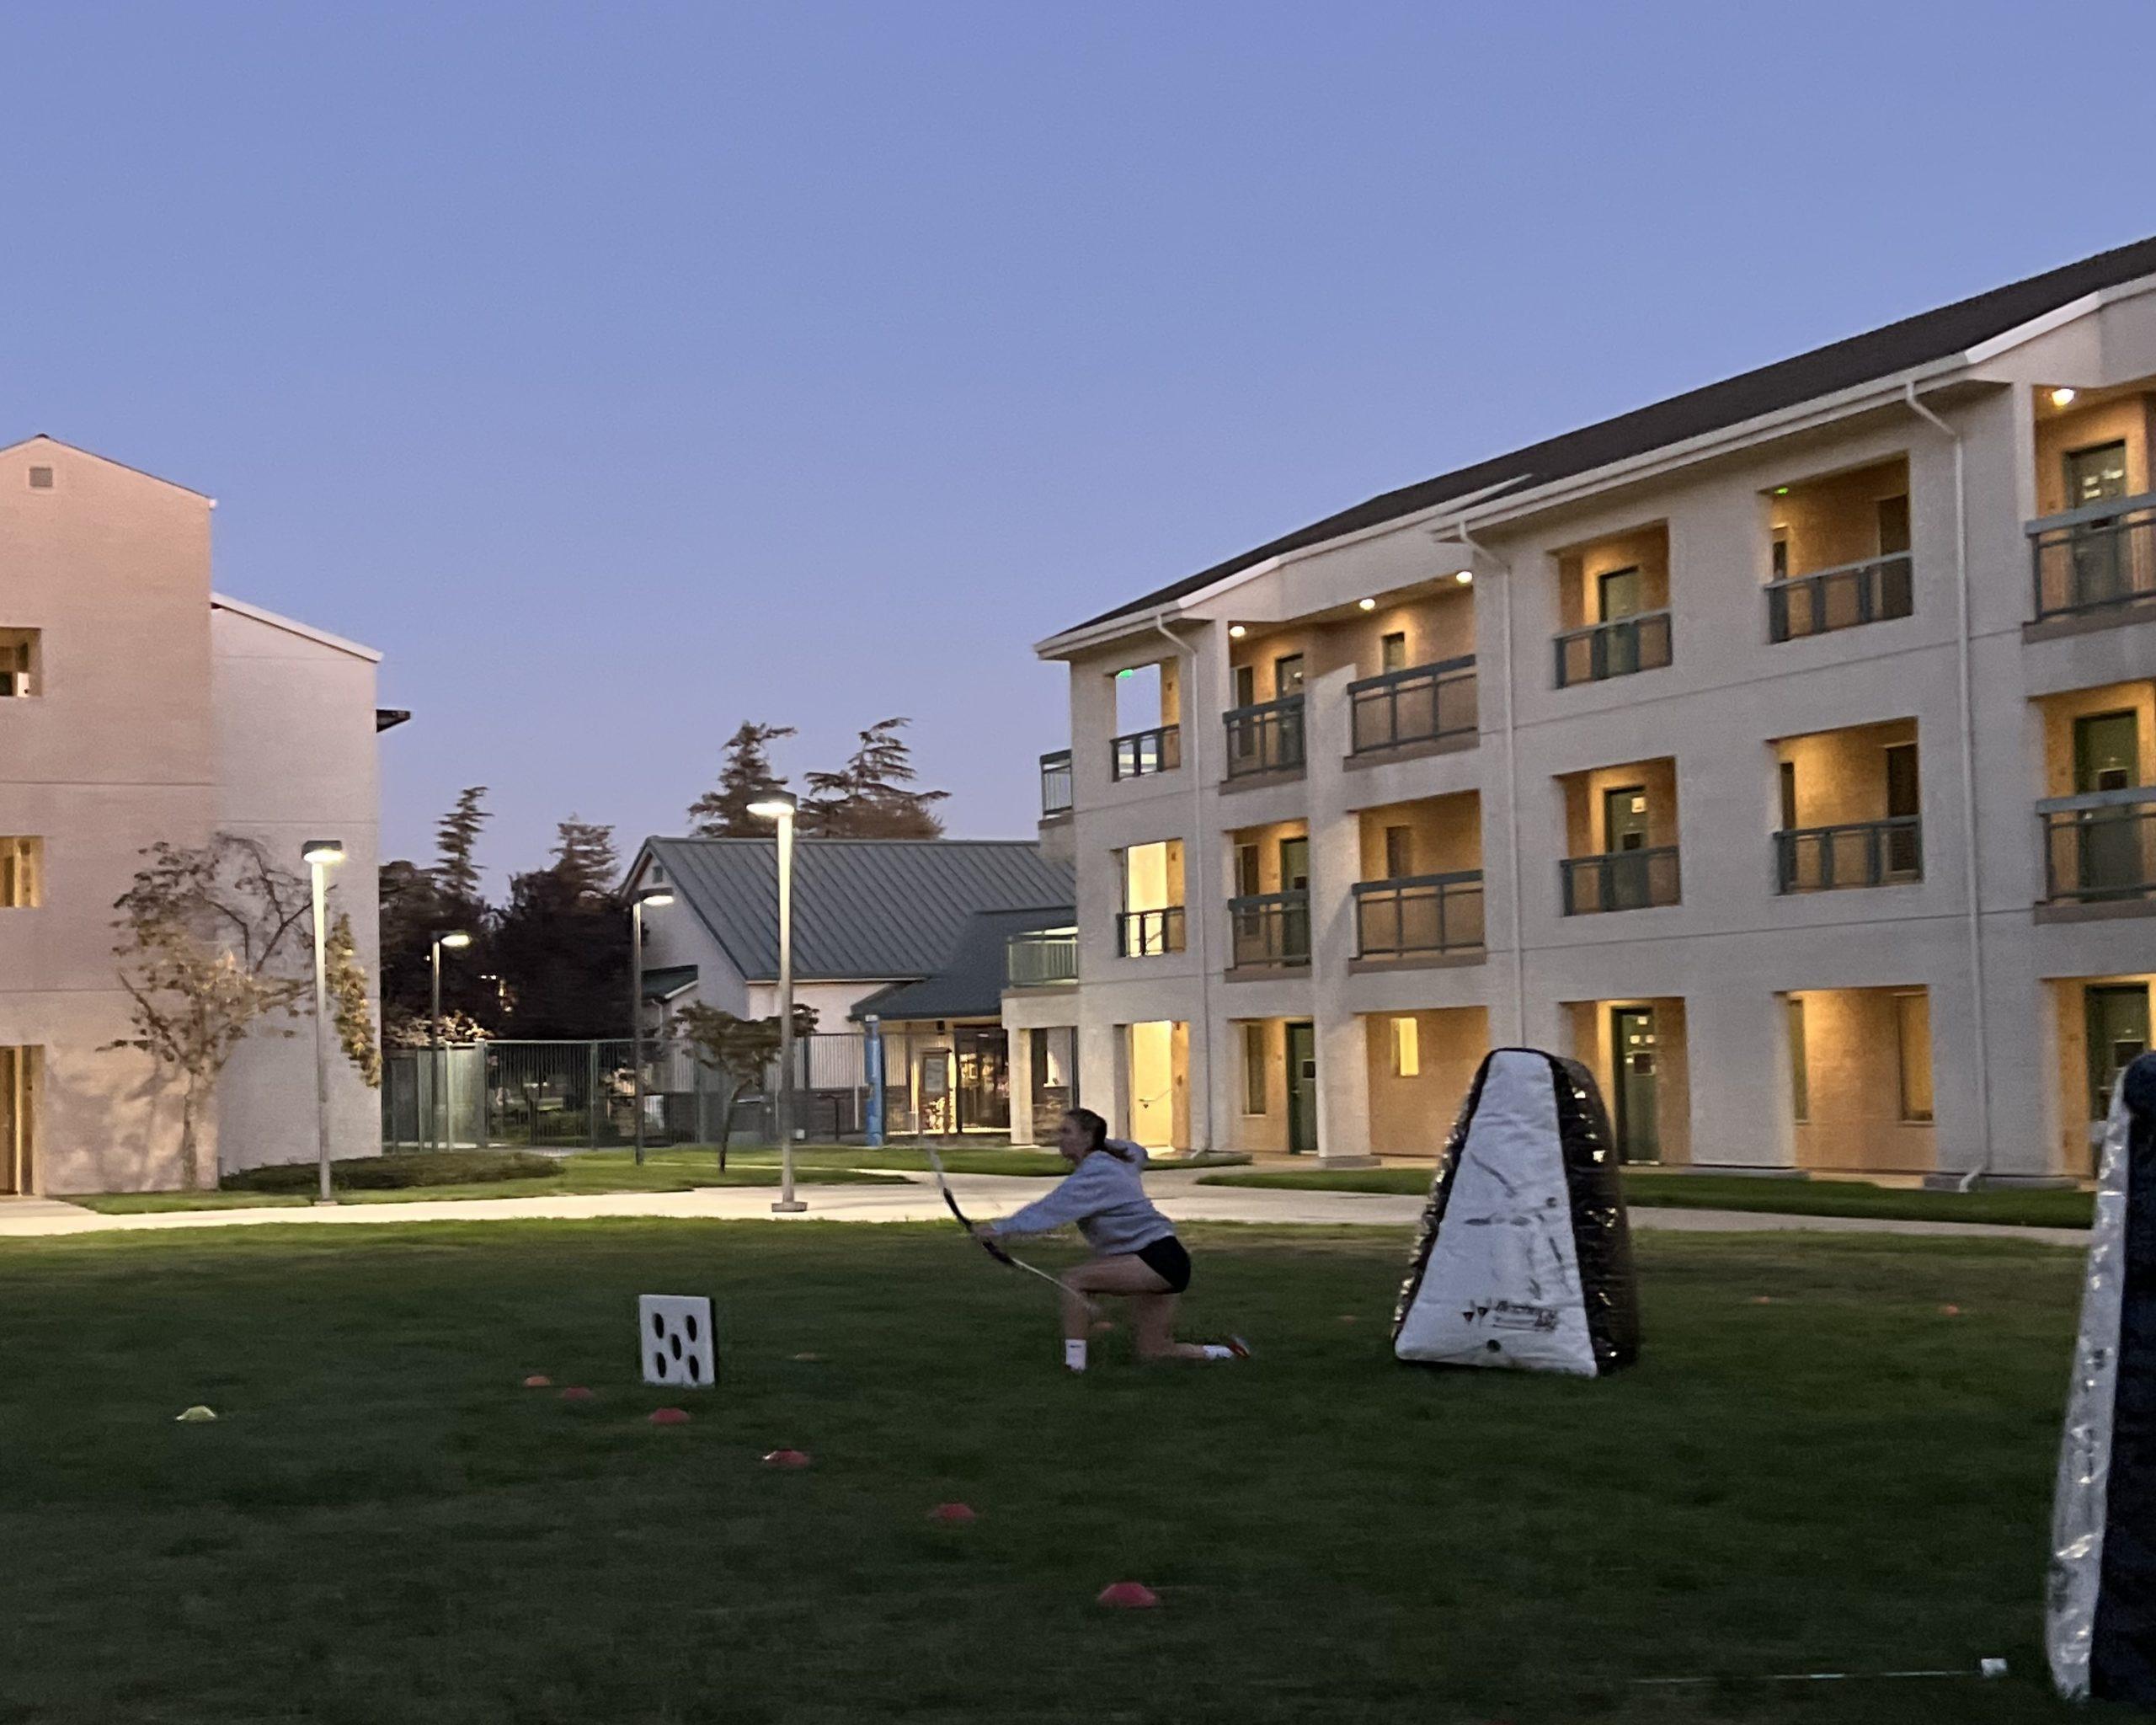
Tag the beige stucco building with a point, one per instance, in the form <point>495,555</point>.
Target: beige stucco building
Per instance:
<point>137,707</point>
<point>1786,751</point>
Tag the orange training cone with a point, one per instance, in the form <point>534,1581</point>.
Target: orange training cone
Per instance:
<point>786,1458</point>
<point>577,1392</point>
<point>538,1380</point>
<point>1129,1595</point>
<point>952,1512</point>
<point>669,1416</point>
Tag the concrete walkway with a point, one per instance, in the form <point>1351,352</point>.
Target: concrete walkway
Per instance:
<point>983,1195</point>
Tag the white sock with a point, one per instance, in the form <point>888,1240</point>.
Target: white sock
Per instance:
<point>1074,1356</point>
<point>1215,1350</point>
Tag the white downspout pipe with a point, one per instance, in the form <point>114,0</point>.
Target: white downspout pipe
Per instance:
<point>1483,554</point>
<point>1194,866</point>
<point>1971,874</point>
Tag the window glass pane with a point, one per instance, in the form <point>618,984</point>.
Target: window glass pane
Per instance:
<point>1395,648</point>
<point>1398,853</point>
<point>1253,1069</point>
<point>1407,1049</point>
<point>1286,676</point>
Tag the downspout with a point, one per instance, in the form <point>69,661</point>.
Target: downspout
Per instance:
<point>1512,775</point>
<point>1194,761</point>
<point>1970,871</point>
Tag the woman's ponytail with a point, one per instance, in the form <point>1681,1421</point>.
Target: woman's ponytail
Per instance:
<point>1097,1132</point>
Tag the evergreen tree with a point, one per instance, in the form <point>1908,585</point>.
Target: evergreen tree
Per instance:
<point>456,872</point>
<point>722,813</point>
<point>869,796</point>
<point>585,859</point>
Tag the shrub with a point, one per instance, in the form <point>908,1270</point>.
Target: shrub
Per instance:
<point>380,1173</point>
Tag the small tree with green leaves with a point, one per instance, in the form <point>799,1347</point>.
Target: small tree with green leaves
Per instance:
<point>348,988</point>
<point>739,1050</point>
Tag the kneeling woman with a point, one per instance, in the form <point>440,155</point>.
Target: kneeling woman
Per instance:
<point>1135,1250</point>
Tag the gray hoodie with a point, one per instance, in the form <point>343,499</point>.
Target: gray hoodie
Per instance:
<point>1105,1197</point>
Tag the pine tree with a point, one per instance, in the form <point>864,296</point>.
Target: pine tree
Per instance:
<point>456,873</point>
<point>722,813</point>
<point>585,859</point>
<point>868,798</point>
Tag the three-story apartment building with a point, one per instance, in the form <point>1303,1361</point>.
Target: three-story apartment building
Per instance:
<point>1786,751</point>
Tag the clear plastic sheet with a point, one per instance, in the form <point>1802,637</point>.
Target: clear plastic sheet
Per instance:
<point>2083,1502</point>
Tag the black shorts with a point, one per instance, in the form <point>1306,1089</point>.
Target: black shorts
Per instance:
<point>1167,1260</point>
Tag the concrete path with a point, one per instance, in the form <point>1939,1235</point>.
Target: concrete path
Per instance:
<point>983,1195</point>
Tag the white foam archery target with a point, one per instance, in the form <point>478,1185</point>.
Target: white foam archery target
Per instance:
<point>675,1336</point>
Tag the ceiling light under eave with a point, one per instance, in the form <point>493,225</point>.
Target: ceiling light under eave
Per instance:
<point>1236,631</point>
<point>1366,605</point>
<point>1465,577</point>
<point>2064,398</point>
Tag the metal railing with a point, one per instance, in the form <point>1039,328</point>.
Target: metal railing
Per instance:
<point>1418,704</point>
<point>2096,557</point>
<point>1041,959</point>
<point>1267,737</point>
<point>1856,853</point>
<point>1621,880</point>
<point>2100,846</point>
<point>1841,598</point>
<point>1147,934</point>
<point>1055,784</point>
<point>1142,754</point>
<point>1614,649</point>
<point>1419,915</point>
<point>1270,928</point>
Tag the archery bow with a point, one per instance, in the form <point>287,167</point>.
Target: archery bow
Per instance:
<point>987,1242</point>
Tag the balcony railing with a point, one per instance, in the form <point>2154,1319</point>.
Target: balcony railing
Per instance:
<point>1042,959</point>
<point>1614,649</point>
<point>1821,859</point>
<point>1142,754</point>
<point>1841,598</point>
<point>1270,928</point>
<point>1419,704</point>
<point>1055,784</point>
<point>2098,558</point>
<point>2099,846</point>
<point>1621,880</point>
<point>1420,915</point>
<point>1265,738</point>
<point>1147,934</point>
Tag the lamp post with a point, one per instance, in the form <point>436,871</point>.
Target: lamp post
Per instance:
<point>651,898</point>
<point>780,806</point>
<point>320,855</point>
<point>458,938</point>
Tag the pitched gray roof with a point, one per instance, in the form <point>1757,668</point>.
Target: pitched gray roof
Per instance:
<point>863,909</point>
<point>1841,365</point>
<point>969,983</point>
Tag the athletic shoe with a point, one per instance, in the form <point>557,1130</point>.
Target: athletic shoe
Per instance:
<point>1239,1348</point>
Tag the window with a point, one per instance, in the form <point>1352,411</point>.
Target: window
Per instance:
<point>1245,685</point>
<point>1407,1049</point>
<point>1621,594</point>
<point>19,662</point>
<point>1286,676</point>
<point>1912,1028</point>
<point>1247,879</point>
<point>1254,1053</point>
<point>1393,648</point>
<point>21,874</point>
<point>1778,557</point>
<point>1789,796</point>
<point>1398,853</point>
<point>1800,1070</point>
<point>1893,525</point>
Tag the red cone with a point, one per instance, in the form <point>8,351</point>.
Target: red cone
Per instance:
<point>1131,1595</point>
<point>577,1392</point>
<point>786,1458</point>
<point>952,1512</point>
<point>1950,1311</point>
<point>669,1416</point>
<point>538,1380</point>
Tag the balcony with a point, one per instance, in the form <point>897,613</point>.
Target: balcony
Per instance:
<point>1149,934</point>
<point>1841,598</point>
<point>1046,959</point>
<point>1621,880</point>
<point>1141,754</point>
<point>1055,784</point>
<point>2099,847</point>
<point>1269,931</point>
<point>1423,704</point>
<point>1425,915</point>
<point>1265,738</point>
<point>1614,649</point>
<point>2095,561</point>
<point>1820,859</point>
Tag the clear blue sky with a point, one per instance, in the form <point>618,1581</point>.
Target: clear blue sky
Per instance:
<point>623,371</point>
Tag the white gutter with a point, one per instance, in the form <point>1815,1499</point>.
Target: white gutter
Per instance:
<point>1970,874</point>
<point>1193,761</point>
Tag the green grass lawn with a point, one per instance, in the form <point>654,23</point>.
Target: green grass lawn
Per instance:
<point>1800,1198</point>
<point>384,1526</point>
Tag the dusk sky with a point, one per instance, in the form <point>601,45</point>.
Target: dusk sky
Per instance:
<point>624,372</point>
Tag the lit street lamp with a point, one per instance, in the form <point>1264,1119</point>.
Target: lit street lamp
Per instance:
<point>458,938</point>
<point>651,898</point>
<point>320,855</point>
<point>781,806</point>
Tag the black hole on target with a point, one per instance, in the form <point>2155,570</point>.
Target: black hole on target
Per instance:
<point>658,1325</point>
<point>658,1364</point>
<point>692,1326</point>
<point>674,1345</point>
<point>696,1371</point>
<point>1495,1347</point>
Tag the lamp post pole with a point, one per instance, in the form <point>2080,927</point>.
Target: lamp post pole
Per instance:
<point>438,1115</point>
<point>780,806</point>
<point>319,855</point>
<point>650,897</point>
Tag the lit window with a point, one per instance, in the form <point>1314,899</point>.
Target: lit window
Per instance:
<point>1912,1026</point>
<point>1407,1049</point>
<point>18,663</point>
<point>1253,1069</point>
<point>21,874</point>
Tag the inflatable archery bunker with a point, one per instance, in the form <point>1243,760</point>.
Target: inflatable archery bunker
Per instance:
<point>1523,1259</point>
<point>2100,1627</point>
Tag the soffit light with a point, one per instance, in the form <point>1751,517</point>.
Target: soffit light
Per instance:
<point>1366,605</point>
<point>1465,577</point>
<point>2064,398</point>
<point>1236,631</point>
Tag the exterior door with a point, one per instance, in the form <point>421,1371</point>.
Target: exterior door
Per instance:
<point>1904,802</point>
<point>1632,1043</point>
<point>17,1114</point>
<point>1295,878</point>
<point>983,1052</point>
<point>1302,1089</point>
<point>1624,835</point>
<point>2118,1035</point>
<point>2096,476</point>
<point>2107,757</point>
<point>1620,595</point>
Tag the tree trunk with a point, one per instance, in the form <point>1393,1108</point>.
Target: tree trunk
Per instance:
<point>190,1172</point>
